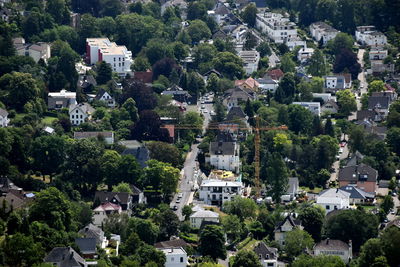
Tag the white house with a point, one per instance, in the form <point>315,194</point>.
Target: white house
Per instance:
<point>336,82</point>
<point>368,35</point>
<point>105,97</point>
<point>305,54</point>
<point>321,30</point>
<point>80,113</point>
<point>224,156</point>
<point>250,60</point>
<point>330,107</point>
<point>314,107</point>
<point>101,212</point>
<point>324,96</point>
<point>267,85</point>
<point>62,99</point>
<point>333,247</point>
<point>4,120</point>
<point>36,51</point>
<point>197,218</point>
<point>378,53</point>
<point>175,257</point>
<point>217,192</point>
<point>287,225</point>
<point>333,199</point>
<point>118,56</point>
<point>107,136</point>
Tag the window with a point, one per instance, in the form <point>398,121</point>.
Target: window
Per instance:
<point>172,258</point>
<point>81,116</point>
<point>270,264</point>
<point>114,60</point>
<point>181,259</point>
<point>72,116</point>
<point>76,111</point>
<point>327,207</point>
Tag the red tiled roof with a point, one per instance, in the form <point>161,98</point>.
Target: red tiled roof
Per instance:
<point>275,74</point>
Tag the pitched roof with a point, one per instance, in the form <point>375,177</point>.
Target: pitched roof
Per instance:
<point>175,243</point>
<point>395,223</point>
<point>222,148</point>
<point>356,173</point>
<point>13,200</point>
<point>86,245</point>
<point>85,107</point>
<point>65,257</point>
<point>355,159</point>
<point>275,74</point>
<point>372,115</point>
<point>92,231</point>
<point>204,214</point>
<point>380,102</point>
<point>250,82</point>
<point>81,135</point>
<point>6,184</point>
<point>100,93</point>
<point>235,113</point>
<point>292,221</point>
<point>105,197</point>
<point>136,149</point>
<point>143,76</point>
<point>331,244</point>
<point>335,193</point>
<point>356,192</point>
<point>262,250</point>
<point>221,9</point>
<point>332,103</point>
<point>108,207</point>
<point>3,113</point>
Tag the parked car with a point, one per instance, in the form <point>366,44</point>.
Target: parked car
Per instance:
<point>175,207</point>
<point>343,144</point>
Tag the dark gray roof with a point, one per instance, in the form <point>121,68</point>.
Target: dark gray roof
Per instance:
<point>260,3</point>
<point>65,257</point>
<point>262,250</point>
<point>86,245</point>
<point>104,197</point>
<point>138,150</point>
<point>92,231</point>
<point>100,93</point>
<point>176,243</point>
<point>235,113</point>
<point>81,135</point>
<point>135,190</point>
<point>331,244</point>
<point>219,34</point>
<point>355,159</point>
<point>356,193</point>
<point>53,101</point>
<point>222,148</point>
<point>3,112</point>
<point>221,9</point>
<point>294,222</point>
<point>368,115</point>
<point>361,172</point>
<point>379,102</point>
<point>6,184</point>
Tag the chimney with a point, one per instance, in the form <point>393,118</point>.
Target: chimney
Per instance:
<point>327,241</point>
<point>172,250</point>
<point>72,255</point>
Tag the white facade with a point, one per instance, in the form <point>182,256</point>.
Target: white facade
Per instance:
<point>101,49</point>
<point>250,60</point>
<point>324,96</point>
<point>314,107</point>
<point>367,35</point>
<point>4,118</point>
<point>108,99</point>
<point>36,51</point>
<point>378,54</point>
<point>223,160</point>
<point>217,192</point>
<point>175,257</point>
<point>333,199</point>
<point>304,54</point>
<point>321,30</point>
<point>334,248</point>
<point>197,218</point>
<point>80,113</point>
<point>101,212</point>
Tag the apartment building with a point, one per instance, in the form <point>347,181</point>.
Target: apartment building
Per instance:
<point>101,49</point>
<point>368,35</point>
<point>320,30</point>
<point>250,60</point>
<point>36,51</point>
<point>314,107</point>
<point>217,192</point>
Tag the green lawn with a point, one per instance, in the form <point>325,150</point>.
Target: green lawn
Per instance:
<point>247,244</point>
<point>48,120</point>
<point>316,190</point>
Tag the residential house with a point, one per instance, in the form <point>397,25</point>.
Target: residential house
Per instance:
<point>293,188</point>
<point>373,129</point>
<point>217,192</point>
<point>179,94</point>
<point>197,218</point>
<point>87,83</point>
<point>275,74</point>
<point>5,13</point>
<point>6,185</point>
<point>394,223</point>
<point>175,242</point>
<point>362,175</point>
<point>236,114</point>
<point>182,5</point>
<point>65,257</point>
<point>305,54</point>
<point>212,71</point>
<point>377,53</point>
<point>224,154</point>
<point>369,115</point>
<point>329,107</point>
<point>267,255</point>
<point>334,83</point>
<point>108,137</point>
<point>332,247</point>
<point>220,13</point>
<point>249,84</point>
<point>103,211</point>
<point>175,257</point>
<point>314,107</point>
<point>358,196</point>
<point>379,66</point>
<point>92,231</point>
<point>4,120</point>
<point>14,200</point>
<point>267,85</point>
<point>380,103</point>
<point>285,226</point>
<point>87,247</point>
<point>105,97</point>
<point>279,29</point>
<point>324,96</point>
<point>137,195</point>
<point>62,99</point>
<point>36,51</point>
<point>250,60</point>
<point>137,149</point>
<point>369,36</point>
<point>101,49</point>
<point>236,96</point>
<point>333,199</point>
<point>355,159</point>
<point>80,113</point>
<point>322,31</point>
<point>122,199</point>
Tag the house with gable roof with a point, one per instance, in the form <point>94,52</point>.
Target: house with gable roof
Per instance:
<point>122,199</point>
<point>105,97</point>
<point>362,175</point>
<point>92,231</point>
<point>237,95</point>
<point>62,99</point>
<point>333,199</point>
<point>357,195</point>
<point>332,247</point>
<point>65,257</point>
<point>197,218</point>
<point>287,225</point>
<point>268,255</point>
<point>80,113</point>
<point>103,211</point>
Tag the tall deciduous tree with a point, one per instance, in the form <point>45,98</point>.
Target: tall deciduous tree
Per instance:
<point>347,102</point>
<point>317,64</point>
<point>212,242</point>
<point>297,241</point>
<point>277,176</point>
<point>249,15</point>
<point>287,64</point>
<point>104,73</point>
<point>246,258</point>
<point>229,64</point>
<point>312,219</point>
<point>198,30</point>
<point>347,60</point>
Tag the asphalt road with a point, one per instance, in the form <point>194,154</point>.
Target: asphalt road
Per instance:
<point>187,178</point>
<point>363,83</point>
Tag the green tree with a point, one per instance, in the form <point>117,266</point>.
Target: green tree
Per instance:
<point>312,219</point>
<point>249,15</point>
<point>347,102</point>
<point>300,119</point>
<point>132,244</point>
<point>129,169</point>
<point>318,261</point>
<point>387,203</point>
<point>187,211</point>
<point>212,242</point>
<point>297,241</point>
<point>369,251</point>
<point>329,130</point>
<point>244,208</point>
<point>165,152</point>
<point>122,187</point>
<point>109,167</point>
<point>104,73</point>
<point>59,11</point>
<point>110,8</point>
<point>198,30</point>
<point>341,41</point>
<point>393,139</point>
<point>391,244</point>
<point>277,176</point>
<point>287,64</point>
<point>232,226</point>
<point>264,49</point>
<point>376,86</point>
<point>246,258</point>
<point>130,106</point>
<point>161,176</point>
<point>141,64</point>
<point>147,254</point>
<point>317,64</point>
<point>229,65</point>
<point>52,208</point>
<point>21,250</point>
<point>168,223</point>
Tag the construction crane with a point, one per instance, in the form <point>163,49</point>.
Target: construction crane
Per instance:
<point>257,143</point>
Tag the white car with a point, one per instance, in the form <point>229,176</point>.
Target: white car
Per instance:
<point>340,150</point>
